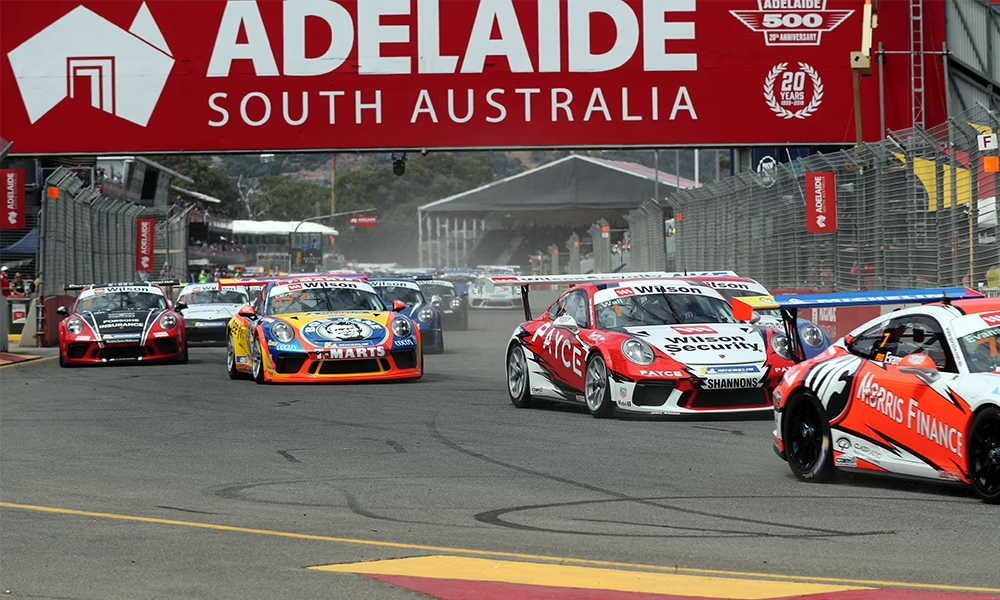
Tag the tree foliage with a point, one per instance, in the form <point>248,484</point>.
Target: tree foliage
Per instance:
<point>208,179</point>
<point>264,191</point>
<point>427,178</point>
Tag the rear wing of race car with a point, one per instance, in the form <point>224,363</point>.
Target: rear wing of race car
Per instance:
<point>263,281</point>
<point>525,281</point>
<point>83,286</point>
<point>789,304</point>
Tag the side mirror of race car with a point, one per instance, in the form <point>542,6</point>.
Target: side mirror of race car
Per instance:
<point>247,311</point>
<point>567,323</point>
<point>61,311</point>
<point>919,364</point>
<point>398,305</point>
<point>180,306</point>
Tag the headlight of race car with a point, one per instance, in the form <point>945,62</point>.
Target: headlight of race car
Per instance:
<point>811,335</point>
<point>401,327</point>
<point>425,315</point>
<point>638,351</point>
<point>282,332</point>
<point>455,303</point>
<point>74,326</point>
<point>779,343</point>
<point>167,321</point>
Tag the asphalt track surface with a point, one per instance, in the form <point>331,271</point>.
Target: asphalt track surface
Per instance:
<point>446,462</point>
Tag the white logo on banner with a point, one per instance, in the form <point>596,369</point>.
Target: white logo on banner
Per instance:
<point>792,22</point>
<point>792,91</point>
<point>84,55</point>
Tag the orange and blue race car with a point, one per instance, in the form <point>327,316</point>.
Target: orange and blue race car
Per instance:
<point>320,328</point>
<point>914,392</point>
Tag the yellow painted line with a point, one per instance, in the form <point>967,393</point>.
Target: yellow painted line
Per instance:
<point>525,573</point>
<point>33,359</point>
<point>496,554</point>
<point>13,337</point>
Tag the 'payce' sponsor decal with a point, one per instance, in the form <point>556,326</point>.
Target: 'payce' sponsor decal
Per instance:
<point>559,345</point>
<point>664,374</point>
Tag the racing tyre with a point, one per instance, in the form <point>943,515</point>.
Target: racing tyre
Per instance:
<point>465,322</point>
<point>518,385</point>
<point>984,454</point>
<point>184,357</point>
<point>597,388</point>
<point>807,440</point>
<point>231,358</point>
<point>63,363</point>
<point>257,358</point>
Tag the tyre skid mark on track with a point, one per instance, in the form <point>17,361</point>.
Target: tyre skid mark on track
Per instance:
<point>353,504</point>
<point>492,517</point>
<point>186,510</point>
<point>287,454</point>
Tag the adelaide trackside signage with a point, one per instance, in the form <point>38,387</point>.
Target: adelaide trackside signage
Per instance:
<point>12,181</point>
<point>145,237</point>
<point>821,202</point>
<point>364,220</point>
<point>242,75</point>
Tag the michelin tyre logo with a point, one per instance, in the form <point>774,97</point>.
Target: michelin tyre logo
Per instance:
<point>83,55</point>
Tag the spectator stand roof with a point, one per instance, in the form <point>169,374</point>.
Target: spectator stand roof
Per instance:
<point>569,184</point>
<point>280,228</point>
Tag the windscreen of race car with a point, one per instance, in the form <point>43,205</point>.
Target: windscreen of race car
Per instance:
<point>661,309</point>
<point>436,289</point>
<point>213,297</point>
<point>405,294</point>
<point>322,299</point>
<point>980,350</point>
<point>131,299</point>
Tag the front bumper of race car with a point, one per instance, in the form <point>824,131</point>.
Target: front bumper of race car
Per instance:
<point>661,396</point>
<point>302,367</point>
<point>432,337</point>
<point>454,318</point>
<point>498,302</point>
<point>207,331</point>
<point>89,352</point>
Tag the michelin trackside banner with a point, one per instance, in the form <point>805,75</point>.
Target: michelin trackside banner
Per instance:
<point>217,75</point>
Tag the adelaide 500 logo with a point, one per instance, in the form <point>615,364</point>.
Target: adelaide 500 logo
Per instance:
<point>792,22</point>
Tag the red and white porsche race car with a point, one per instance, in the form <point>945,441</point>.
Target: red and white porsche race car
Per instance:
<point>118,322</point>
<point>915,392</point>
<point>641,343</point>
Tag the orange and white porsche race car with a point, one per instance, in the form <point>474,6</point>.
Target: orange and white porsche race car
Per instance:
<point>915,392</point>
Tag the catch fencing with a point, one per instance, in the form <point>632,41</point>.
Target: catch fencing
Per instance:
<point>86,237</point>
<point>917,209</point>
<point>647,238</point>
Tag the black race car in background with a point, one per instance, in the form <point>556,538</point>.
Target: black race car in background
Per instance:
<point>443,295</point>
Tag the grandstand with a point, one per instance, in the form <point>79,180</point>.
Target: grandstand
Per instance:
<point>522,216</point>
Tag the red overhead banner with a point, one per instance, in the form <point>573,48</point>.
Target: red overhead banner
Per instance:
<point>364,221</point>
<point>229,75</point>
<point>12,181</point>
<point>145,238</point>
<point>821,202</point>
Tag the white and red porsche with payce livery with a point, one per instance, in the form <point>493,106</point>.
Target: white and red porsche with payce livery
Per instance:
<point>642,343</point>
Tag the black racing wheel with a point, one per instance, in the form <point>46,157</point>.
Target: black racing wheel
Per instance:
<point>807,439</point>
<point>984,454</point>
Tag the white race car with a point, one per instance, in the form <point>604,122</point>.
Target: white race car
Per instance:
<point>209,310</point>
<point>484,295</point>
